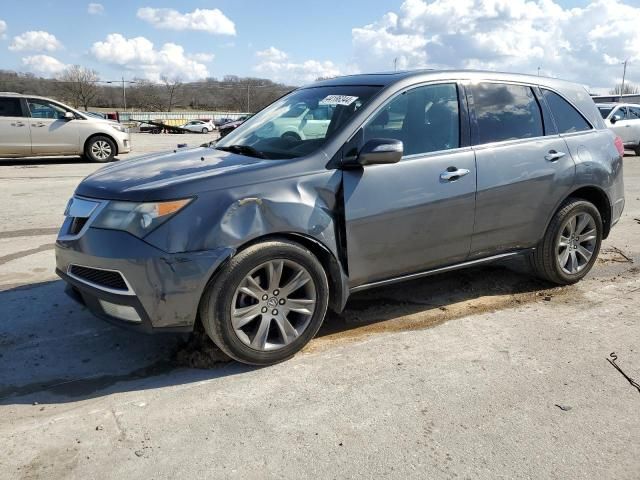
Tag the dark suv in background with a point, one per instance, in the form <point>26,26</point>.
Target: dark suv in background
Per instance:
<point>388,177</point>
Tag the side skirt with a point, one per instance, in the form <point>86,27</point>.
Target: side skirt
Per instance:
<point>435,271</point>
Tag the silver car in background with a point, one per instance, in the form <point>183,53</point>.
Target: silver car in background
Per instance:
<point>624,120</point>
<point>36,126</point>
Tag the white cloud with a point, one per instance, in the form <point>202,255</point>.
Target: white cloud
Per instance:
<point>581,44</point>
<point>43,65</point>
<point>95,9</point>
<point>3,29</point>
<point>140,56</point>
<point>276,65</point>
<point>35,41</point>
<point>211,21</point>
<point>202,57</point>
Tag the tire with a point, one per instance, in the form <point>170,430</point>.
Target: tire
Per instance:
<point>292,136</point>
<point>225,294</point>
<point>100,149</point>
<point>205,130</point>
<point>637,151</point>
<point>548,258</point>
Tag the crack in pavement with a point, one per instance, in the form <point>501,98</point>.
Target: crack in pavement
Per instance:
<point>29,232</point>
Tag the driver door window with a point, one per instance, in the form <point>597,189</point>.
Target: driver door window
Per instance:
<point>44,109</point>
<point>426,119</point>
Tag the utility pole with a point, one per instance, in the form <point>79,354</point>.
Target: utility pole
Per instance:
<point>248,97</point>
<point>538,71</point>
<point>124,94</point>
<point>624,74</point>
<point>395,64</point>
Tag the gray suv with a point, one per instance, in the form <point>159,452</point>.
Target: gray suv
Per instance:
<point>36,126</point>
<point>406,174</point>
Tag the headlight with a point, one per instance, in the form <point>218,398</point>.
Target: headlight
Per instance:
<point>139,219</point>
<point>119,128</point>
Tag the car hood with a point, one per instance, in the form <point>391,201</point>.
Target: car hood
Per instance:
<point>168,175</point>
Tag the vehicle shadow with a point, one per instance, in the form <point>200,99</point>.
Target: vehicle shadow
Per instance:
<point>30,161</point>
<point>54,351</point>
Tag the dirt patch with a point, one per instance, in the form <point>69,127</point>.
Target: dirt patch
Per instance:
<point>614,255</point>
<point>199,352</point>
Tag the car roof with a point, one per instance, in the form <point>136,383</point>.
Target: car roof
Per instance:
<point>617,104</point>
<point>384,79</point>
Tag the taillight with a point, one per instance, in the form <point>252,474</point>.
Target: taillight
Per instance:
<point>619,146</point>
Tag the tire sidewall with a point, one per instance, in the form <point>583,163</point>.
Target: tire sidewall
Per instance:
<point>579,207</point>
<point>217,318</point>
<point>93,140</point>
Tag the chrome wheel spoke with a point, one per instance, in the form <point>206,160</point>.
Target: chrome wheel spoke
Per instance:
<point>274,270</point>
<point>582,222</point>
<point>299,280</point>
<point>244,315</point>
<point>572,226</point>
<point>587,236</point>
<point>584,253</point>
<point>286,329</point>
<point>301,305</point>
<point>564,256</point>
<point>260,338</point>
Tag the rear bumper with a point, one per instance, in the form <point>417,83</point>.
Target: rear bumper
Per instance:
<point>164,289</point>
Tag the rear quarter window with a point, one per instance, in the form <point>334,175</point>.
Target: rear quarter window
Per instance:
<point>567,118</point>
<point>10,107</point>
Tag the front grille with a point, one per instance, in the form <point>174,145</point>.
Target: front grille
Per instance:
<point>103,278</point>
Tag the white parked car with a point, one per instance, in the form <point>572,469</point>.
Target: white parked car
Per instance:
<point>200,126</point>
<point>33,126</point>
<point>299,123</point>
<point>624,120</point>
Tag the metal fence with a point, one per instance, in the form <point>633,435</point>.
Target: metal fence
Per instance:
<point>177,117</point>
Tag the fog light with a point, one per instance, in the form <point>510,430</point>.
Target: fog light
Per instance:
<point>123,312</point>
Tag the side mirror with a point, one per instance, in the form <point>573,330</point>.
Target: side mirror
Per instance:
<point>615,118</point>
<point>69,116</point>
<point>377,151</point>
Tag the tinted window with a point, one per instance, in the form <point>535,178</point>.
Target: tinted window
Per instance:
<point>567,118</point>
<point>633,113</point>
<point>621,113</point>
<point>10,107</point>
<point>605,111</point>
<point>44,109</point>
<point>505,112</point>
<point>426,119</point>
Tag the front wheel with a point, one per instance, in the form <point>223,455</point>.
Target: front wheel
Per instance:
<point>100,149</point>
<point>571,243</point>
<point>267,303</point>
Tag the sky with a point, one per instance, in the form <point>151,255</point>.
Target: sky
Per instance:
<point>295,42</point>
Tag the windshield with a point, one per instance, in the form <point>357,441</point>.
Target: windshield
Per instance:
<point>299,123</point>
<point>605,111</point>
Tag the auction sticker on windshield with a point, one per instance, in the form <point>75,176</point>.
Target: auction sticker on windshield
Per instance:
<point>337,100</point>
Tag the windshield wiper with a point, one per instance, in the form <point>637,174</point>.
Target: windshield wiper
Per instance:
<point>243,150</point>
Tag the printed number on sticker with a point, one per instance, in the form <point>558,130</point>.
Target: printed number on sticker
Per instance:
<point>337,100</point>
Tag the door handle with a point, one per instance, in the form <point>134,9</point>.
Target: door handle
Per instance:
<point>17,124</point>
<point>452,174</point>
<point>553,156</point>
<point>37,124</point>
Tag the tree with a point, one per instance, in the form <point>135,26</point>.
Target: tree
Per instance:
<point>78,85</point>
<point>172,86</point>
<point>629,88</point>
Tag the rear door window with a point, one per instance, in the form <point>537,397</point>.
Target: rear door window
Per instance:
<point>567,118</point>
<point>505,112</point>
<point>634,113</point>
<point>10,107</point>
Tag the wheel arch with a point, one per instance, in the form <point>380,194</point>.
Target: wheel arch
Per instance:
<point>595,195</point>
<point>99,134</point>
<point>338,283</point>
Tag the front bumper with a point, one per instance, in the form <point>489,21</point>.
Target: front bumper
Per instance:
<point>124,142</point>
<point>164,289</point>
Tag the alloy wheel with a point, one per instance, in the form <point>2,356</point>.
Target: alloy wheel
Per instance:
<point>101,150</point>
<point>577,242</point>
<point>273,305</point>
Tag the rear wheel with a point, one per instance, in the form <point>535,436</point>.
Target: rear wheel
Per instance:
<point>205,130</point>
<point>637,151</point>
<point>267,303</point>
<point>100,149</point>
<point>571,243</point>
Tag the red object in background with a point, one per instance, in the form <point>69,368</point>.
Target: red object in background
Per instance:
<point>619,146</point>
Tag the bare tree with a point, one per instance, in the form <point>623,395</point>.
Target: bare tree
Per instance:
<point>628,89</point>
<point>172,86</point>
<point>78,85</point>
<point>146,95</point>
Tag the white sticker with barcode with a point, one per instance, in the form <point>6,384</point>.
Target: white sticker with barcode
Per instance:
<point>337,100</point>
